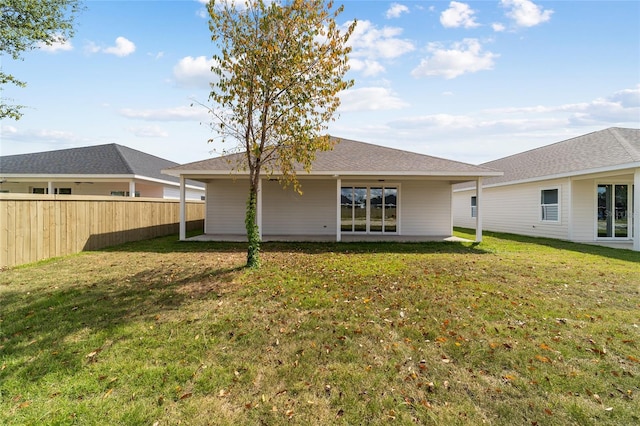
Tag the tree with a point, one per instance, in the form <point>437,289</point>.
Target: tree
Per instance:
<point>280,68</point>
<point>25,24</point>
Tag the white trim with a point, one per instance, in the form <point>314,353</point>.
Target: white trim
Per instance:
<point>636,208</point>
<point>570,208</point>
<point>132,188</point>
<point>479,210</point>
<point>338,209</point>
<point>630,200</point>
<point>576,174</point>
<point>331,173</point>
<point>259,209</point>
<point>183,210</point>
<point>368,186</point>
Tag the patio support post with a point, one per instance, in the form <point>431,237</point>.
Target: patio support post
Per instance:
<point>259,209</point>
<point>132,188</point>
<point>50,188</point>
<point>338,209</point>
<point>479,209</point>
<point>636,210</point>
<point>183,209</point>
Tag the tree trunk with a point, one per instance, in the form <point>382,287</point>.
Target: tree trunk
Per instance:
<point>253,233</point>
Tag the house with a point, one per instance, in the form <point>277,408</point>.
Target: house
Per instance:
<point>585,189</point>
<point>110,169</point>
<point>357,191</point>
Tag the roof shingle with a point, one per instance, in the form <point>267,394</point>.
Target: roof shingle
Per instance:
<point>350,156</point>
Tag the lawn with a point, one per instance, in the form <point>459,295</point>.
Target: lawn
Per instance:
<point>513,331</point>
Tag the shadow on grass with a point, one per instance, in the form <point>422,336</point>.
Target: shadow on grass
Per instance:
<point>613,253</point>
<point>51,331</point>
<point>171,244</point>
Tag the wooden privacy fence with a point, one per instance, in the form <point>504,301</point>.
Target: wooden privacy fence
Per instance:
<point>36,227</point>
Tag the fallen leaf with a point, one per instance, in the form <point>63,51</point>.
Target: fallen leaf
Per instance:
<point>543,359</point>
<point>545,347</point>
<point>633,359</point>
<point>549,412</point>
<point>107,393</point>
<point>186,395</point>
<point>289,413</point>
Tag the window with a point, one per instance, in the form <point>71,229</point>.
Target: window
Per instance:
<point>62,191</point>
<point>474,206</point>
<point>123,193</point>
<point>369,209</point>
<point>550,207</point>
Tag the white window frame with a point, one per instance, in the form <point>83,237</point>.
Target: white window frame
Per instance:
<point>368,186</point>
<point>474,206</point>
<point>541,207</point>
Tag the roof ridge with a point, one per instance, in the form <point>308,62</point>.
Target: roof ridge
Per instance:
<point>631,150</point>
<point>123,157</point>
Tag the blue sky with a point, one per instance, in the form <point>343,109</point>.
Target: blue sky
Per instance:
<point>469,81</point>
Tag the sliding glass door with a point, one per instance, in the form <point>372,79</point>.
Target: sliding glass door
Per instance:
<point>614,211</point>
<point>369,209</point>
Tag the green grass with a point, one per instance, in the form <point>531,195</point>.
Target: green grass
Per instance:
<point>514,330</point>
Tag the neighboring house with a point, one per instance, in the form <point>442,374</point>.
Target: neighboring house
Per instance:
<point>94,170</point>
<point>585,189</point>
<point>357,191</point>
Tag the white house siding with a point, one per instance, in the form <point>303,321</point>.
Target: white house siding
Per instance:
<point>226,205</point>
<point>173,193</point>
<point>285,212</point>
<point>425,208</point>
<point>145,189</point>
<point>462,208</point>
<point>583,210</point>
<point>515,209</point>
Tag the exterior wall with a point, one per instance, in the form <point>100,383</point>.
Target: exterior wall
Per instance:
<point>285,212</point>
<point>146,190</point>
<point>425,208</point>
<point>515,209</point>
<point>583,210</point>
<point>226,202</point>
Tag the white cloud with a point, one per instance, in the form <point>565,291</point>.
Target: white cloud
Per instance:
<point>370,99</point>
<point>181,113</point>
<point>525,13</point>
<point>194,72</point>
<point>463,57</point>
<point>369,68</point>
<point>498,27</point>
<point>59,44</point>
<point>396,10</point>
<point>458,15</point>
<point>123,47</point>
<point>620,108</point>
<point>149,132</point>
<point>370,42</point>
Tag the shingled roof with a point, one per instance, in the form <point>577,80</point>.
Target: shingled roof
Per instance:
<point>597,151</point>
<point>110,159</point>
<point>350,157</point>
